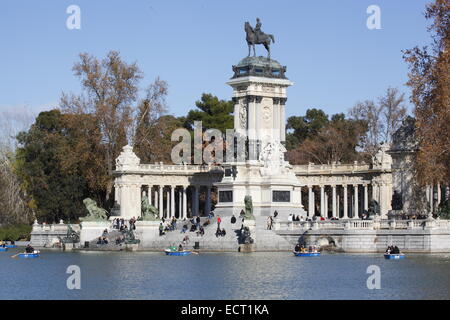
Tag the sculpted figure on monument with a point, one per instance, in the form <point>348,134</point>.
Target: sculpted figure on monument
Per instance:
<point>95,213</point>
<point>256,36</point>
<point>248,208</point>
<point>149,212</point>
<point>272,155</point>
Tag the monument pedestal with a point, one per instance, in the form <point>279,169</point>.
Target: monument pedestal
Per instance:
<point>91,230</point>
<point>147,231</point>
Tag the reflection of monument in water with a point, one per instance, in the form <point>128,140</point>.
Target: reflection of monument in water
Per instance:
<point>260,171</point>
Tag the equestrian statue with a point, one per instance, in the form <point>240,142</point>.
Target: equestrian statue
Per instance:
<point>256,36</point>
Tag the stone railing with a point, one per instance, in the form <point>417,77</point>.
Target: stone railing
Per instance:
<point>331,168</point>
<point>351,224</point>
<point>180,168</point>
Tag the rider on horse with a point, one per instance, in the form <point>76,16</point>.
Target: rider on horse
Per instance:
<point>258,31</point>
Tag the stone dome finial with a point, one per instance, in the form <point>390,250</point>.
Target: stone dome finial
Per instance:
<point>127,160</point>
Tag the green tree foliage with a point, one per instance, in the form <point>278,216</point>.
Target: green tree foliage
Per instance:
<point>302,127</point>
<point>53,176</point>
<point>214,114</point>
<point>15,232</point>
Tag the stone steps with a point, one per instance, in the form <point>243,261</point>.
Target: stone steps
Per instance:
<point>208,241</point>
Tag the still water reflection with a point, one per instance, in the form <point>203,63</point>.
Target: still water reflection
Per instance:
<point>123,275</point>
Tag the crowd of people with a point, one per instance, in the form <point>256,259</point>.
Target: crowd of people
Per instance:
<point>123,225</point>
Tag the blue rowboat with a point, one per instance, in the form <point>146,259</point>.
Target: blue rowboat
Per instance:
<point>11,246</point>
<point>177,253</point>
<point>29,255</point>
<point>307,254</point>
<point>3,249</point>
<point>394,256</point>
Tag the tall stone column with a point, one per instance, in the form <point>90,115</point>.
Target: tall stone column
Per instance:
<point>161,198</point>
<point>180,203</point>
<point>237,124</point>
<point>184,202</point>
<point>345,216</point>
<point>431,198</point>
<point>366,197</point>
<point>167,203</point>
<point>252,114</point>
<point>334,202</point>
<point>322,201</point>
<point>282,120</point>
<point>276,119</point>
<point>300,196</point>
<point>208,200</point>
<point>438,195</point>
<point>355,192</point>
<point>172,201</point>
<point>310,201</point>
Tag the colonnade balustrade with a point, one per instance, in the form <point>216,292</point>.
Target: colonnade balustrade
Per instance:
<point>181,201</point>
<point>346,200</point>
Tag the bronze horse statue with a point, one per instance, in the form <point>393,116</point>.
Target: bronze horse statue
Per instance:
<point>260,38</point>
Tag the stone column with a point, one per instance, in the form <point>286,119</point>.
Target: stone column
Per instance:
<point>333,204</point>
<point>345,216</point>
<point>184,202</point>
<point>276,118</point>
<point>180,203</point>
<point>161,198</point>
<point>438,195</point>
<point>431,198</point>
<point>355,191</point>
<point>251,100</point>
<point>310,201</point>
<point>322,201</point>
<point>167,203</point>
<point>300,196</point>
<point>208,200</point>
<point>282,122</point>
<point>237,124</point>
<point>366,197</point>
<point>172,201</point>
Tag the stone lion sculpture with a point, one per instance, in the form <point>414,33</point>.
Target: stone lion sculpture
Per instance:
<point>95,213</point>
<point>248,208</point>
<point>149,212</point>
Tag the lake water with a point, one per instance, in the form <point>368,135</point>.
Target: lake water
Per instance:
<point>150,275</point>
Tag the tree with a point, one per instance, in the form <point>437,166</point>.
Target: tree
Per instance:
<point>336,141</point>
<point>110,87</point>
<point>56,191</point>
<point>153,131</point>
<point>213,113</point>
<point>382,118</point>
<point>303,127</point>
<point>429,79</point>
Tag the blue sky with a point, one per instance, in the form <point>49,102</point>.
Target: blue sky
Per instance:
<point>331,56</point>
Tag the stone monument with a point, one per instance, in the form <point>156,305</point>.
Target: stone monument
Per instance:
<point>260,93</point>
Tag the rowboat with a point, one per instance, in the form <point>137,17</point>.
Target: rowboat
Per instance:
<point>3,249</point>
<point>307,254</point>
<point>394,256</point>
<point>177,253</point>
<point>34,254</point>
<point>29,255</point>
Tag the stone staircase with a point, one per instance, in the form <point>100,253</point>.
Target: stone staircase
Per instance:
<point>208,241</point>
<point>268,240</point>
